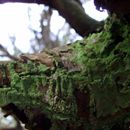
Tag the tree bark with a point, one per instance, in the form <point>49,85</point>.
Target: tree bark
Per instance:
<point>80,86</point>
<point>72,11</point>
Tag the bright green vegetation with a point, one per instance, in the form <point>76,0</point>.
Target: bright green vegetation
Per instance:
<point>104,59</point>
<point>104,62</point>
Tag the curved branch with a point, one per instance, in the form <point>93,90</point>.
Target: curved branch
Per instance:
<point>76,17</point>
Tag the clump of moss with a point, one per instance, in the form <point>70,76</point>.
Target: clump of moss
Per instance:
<point>104,61</point>
<point>25,81</point>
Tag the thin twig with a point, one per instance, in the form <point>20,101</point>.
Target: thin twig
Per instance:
<point>7,54</point>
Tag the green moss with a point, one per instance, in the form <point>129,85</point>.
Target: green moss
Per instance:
<point>26,82</point>
<point>61,96</point>
<point>104,62</point>
<point>24,86</point>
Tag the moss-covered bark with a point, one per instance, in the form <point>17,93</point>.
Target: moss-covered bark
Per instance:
<point>83,86</point>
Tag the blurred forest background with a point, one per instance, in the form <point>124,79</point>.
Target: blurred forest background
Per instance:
<point>29,28</point>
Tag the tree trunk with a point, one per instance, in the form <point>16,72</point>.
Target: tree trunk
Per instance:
<point>82,86</point>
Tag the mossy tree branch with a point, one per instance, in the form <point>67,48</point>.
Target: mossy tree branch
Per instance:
<point>80,86</point>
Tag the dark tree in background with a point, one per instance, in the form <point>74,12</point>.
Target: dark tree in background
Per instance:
<point>75,15</point>
<point>80,21</point>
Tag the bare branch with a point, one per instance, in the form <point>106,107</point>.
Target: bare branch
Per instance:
<point>7,54</point>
